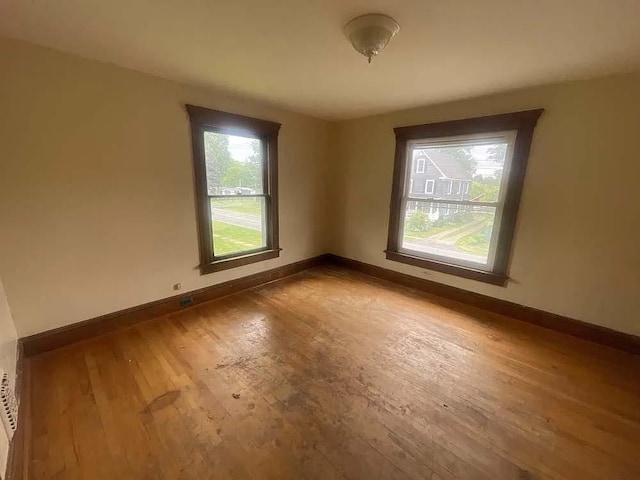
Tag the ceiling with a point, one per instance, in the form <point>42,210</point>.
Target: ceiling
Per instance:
<point>292,53</point>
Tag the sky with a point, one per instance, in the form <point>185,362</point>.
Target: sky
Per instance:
<point>241,148</point>
<point>485,167</point>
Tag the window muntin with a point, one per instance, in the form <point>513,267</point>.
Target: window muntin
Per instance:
<point>235,164</point>
<point>460,233</point>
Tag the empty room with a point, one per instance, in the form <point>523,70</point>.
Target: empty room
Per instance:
<point>319,240</point>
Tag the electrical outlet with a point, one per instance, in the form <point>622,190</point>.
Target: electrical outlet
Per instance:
<point>177,286</point>
<point>186,301</point>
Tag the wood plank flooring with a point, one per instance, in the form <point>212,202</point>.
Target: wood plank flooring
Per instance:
<point>331,374</point>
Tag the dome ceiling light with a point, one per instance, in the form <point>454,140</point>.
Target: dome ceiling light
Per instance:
<point>370,33</point>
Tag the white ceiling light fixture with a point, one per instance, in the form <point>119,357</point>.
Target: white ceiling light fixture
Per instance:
<point>370,33</point>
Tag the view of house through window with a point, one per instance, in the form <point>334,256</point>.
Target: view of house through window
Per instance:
<point>452,204</point>
<point>235,178</point>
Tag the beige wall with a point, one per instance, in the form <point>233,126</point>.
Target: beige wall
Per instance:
<point>96,190</point>
<point>97,210</point>
<point>576,250</point>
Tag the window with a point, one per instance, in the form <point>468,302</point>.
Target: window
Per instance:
<point>429,186</point>
<point>420,165</point>
<point>473,236</point>
<point>458,188</point>
<point>235,164</point>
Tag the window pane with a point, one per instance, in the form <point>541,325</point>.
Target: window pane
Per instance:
<point>238,225</point>
<point>234,164</point>
<point>459,172</point>
<point>458,232</point>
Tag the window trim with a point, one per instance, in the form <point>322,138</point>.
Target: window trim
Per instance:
<point>205,119</point>
<point>523,123</point>
<point>433,187</point>
<point>423,162</point>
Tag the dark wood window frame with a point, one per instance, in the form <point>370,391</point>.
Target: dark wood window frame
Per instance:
<point>523,123</point>
<point>208,120</point>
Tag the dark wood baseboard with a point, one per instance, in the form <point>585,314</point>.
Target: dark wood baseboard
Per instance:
<point>559,323</point>
<point>59,337</point>
<point>18,458</point>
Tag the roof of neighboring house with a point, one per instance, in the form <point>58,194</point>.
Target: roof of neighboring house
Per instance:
<point>448,166</point>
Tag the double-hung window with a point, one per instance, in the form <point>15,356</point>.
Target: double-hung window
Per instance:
<point>470,234</point>
<point>235,163</point>
<point>429,187</point>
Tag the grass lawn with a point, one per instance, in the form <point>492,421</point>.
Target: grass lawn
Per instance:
<point>252,206</point>
<point>229,238</point>
<point>475,243</point>
<point>427,233</point>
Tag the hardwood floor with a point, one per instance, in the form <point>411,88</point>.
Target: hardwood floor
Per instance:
<point>333,374</point>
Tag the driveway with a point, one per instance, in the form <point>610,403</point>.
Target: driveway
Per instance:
<point>444,243</point>
<point>443,250</point>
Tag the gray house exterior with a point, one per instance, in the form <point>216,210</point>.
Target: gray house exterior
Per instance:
<point>437,175</point>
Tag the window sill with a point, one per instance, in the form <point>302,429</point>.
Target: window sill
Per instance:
<point>234,262</point>
<point>465,272</point>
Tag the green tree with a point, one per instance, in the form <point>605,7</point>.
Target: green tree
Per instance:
<point>247,174</point>
<point>497,153</point>
<point>485,189</point>
<point>418,222</point>
<point>235,176</point>
<point>217,158</point>
<point>462,155</point>
<point>254,167</point>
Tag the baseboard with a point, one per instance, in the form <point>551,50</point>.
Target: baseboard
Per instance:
<point>52,339</point>
<point>17,459</point>
<point>60,337</point>
<point>559,323</point>
<point>18,464</point>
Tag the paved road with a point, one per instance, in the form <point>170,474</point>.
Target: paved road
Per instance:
<point>245,220</point>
